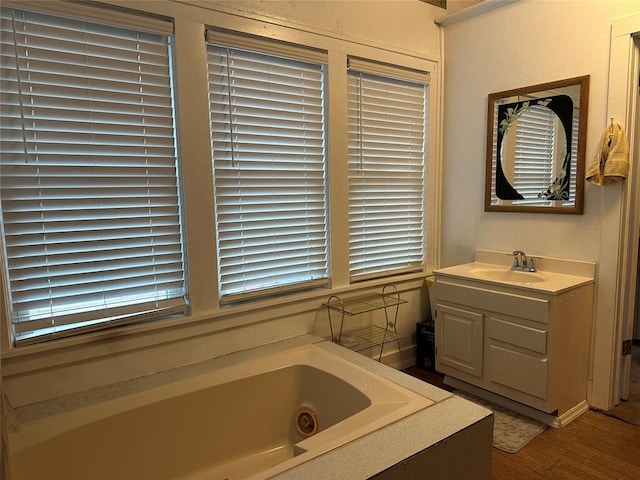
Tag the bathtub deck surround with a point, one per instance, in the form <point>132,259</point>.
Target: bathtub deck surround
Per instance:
<point>520,339</point>
<point>372,422</point>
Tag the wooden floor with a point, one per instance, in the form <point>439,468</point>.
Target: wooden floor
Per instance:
<point>592,447</point>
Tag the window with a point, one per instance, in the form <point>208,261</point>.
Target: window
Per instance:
<point>540,148</point>
<point>387,130</point>
<point>268,149</point>
<point>90,202</point>
<point>535,149</point>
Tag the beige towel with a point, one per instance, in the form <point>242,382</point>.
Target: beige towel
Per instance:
<point>611,161</point>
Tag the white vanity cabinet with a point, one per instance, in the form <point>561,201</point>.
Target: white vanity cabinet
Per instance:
<point>527,344</point>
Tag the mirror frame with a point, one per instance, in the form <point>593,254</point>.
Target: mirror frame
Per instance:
<point>577,209</point>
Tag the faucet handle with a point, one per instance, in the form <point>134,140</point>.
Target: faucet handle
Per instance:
<point>516,263</point>
<point>531,267</point>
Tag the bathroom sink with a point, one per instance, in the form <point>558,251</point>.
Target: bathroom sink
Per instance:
<point>506,275</point>
<point>494,268</point>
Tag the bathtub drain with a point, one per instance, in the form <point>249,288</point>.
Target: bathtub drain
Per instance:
<point>306,422</point>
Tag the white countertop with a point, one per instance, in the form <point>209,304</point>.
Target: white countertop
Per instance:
<point>552,283</point>
<point>552,275</point>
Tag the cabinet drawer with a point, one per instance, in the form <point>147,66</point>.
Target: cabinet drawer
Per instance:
<point>511,304</point>
<point>533,339</point>
<point>517,370</point>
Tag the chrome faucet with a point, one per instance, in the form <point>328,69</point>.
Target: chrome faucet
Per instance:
<point>521,263</point>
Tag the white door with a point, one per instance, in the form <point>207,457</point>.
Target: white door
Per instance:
<point>630,310</point>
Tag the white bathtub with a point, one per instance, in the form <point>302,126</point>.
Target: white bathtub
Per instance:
<point>231,423</point>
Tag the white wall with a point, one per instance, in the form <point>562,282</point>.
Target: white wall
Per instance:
<point>386,29</point>
<point>526,43</point>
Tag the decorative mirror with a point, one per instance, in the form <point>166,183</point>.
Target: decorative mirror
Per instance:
<point>536,139</point>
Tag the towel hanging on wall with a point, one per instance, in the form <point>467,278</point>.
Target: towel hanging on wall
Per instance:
<point>611,161</point>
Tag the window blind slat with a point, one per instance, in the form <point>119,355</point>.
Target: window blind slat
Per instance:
<point>89,185</point>
<point>40,330</point>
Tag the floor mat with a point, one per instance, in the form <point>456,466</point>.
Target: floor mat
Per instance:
<point>511,430</point>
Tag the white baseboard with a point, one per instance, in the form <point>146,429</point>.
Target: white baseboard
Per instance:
<point>551,420</point>
<point>392,357</point>
<point>573,413</point>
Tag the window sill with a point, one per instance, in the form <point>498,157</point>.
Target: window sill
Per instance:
<point>118,340</point>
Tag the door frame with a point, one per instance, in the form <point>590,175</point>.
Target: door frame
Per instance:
<point>622,106</point>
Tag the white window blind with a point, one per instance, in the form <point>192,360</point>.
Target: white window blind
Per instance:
<point>494,154</point>
<point>535,151</point>
<point>268,144</point>
<point>90,202</point>
<point>387,127</point>
<point>574,158</point>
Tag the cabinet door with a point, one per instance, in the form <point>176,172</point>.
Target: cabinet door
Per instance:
<point>459,340</point>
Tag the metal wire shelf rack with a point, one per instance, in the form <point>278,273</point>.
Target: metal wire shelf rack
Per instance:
<point>373,335</point>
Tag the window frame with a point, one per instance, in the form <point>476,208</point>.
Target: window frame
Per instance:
<point>207,315</point>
